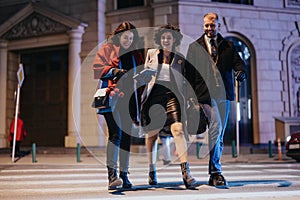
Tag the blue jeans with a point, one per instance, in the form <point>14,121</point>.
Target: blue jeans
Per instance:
<point>118,144</point>
<point>217,114</point>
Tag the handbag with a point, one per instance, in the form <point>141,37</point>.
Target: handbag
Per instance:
<point>101,98</point>
<point>103,102</point>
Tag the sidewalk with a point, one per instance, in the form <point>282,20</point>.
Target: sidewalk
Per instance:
<point>96,156</point>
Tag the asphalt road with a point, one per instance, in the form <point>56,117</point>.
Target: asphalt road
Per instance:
<point>61,177</point>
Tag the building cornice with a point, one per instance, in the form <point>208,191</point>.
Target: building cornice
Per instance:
<point>240,7</point>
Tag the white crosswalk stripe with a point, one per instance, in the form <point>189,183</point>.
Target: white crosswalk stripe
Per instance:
<point>93,179</point>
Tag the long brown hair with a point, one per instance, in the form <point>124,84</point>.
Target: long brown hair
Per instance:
<point>125,26</point>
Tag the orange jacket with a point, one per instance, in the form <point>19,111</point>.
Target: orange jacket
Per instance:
<point>21,133</point>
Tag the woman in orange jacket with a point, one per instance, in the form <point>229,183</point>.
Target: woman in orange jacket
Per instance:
<point>115,59</point>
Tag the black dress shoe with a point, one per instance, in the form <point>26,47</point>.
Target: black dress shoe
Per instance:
<point>217,179</point>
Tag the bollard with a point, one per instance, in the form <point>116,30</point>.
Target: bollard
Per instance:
<point>198,149</point>
<point>78,152</point>
<point>251,150</point>
<point>157,152</point>
<point>270,149</point>
<point>233,149</point>
<point>279,149</point>
<point>33,153</point>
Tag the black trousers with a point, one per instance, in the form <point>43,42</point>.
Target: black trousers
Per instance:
<point>17,147</point>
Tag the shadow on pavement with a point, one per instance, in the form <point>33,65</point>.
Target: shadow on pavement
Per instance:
<point>164,185</point>
<point>21,155</point>
<point>180,186</point>
<point>282,183</point>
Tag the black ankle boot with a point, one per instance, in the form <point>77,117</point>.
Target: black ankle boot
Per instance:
<point>189,181</point>
<point>126,182</point>
<point>114,181</point>
<point>152,175</point>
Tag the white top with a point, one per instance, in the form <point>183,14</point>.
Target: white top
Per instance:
<point>164,74</point>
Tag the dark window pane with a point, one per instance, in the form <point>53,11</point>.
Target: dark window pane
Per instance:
<point>242,48</point>
<point>246,2</point>
<point>129,3</point>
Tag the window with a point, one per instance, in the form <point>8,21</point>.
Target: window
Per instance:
<point>245,94</point>
<point>246,2</point>
<point>294,80</point>
<point>129,3</point>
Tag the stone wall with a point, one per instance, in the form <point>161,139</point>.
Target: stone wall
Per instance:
<point>266,27</point>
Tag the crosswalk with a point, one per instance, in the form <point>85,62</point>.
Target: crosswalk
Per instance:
<point>73,181</point>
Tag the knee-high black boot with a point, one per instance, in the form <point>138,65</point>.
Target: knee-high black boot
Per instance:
<point>113,180</point>
<point>189,181</point>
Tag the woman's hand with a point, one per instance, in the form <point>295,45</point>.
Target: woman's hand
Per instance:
<point>115,91</point>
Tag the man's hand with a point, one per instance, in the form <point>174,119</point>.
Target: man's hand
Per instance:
<point>240,76</point>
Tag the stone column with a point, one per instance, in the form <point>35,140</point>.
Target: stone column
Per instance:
<point>3,88</point>
<point>74,87</point>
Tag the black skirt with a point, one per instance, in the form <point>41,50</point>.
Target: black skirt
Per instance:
<point>161,109</point>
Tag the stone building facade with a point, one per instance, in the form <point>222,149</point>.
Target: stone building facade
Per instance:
<point>55,101</point>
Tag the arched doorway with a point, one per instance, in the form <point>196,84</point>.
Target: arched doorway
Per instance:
<point>294,80</point>
<point>246,100</point>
